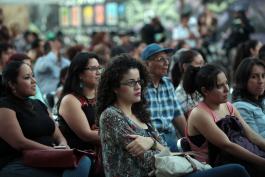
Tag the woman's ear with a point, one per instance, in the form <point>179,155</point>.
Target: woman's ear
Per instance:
<point>252,51</point>
<point>12,86</point>
<point>204,91</point>
<point>184,67</point>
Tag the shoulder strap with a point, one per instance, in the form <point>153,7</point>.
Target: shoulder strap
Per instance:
<point>230,108</point>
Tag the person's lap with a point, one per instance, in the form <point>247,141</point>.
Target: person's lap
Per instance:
<point>222,171</point>
<point>18,169</point>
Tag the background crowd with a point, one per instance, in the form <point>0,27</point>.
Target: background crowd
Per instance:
<point>130,96</point>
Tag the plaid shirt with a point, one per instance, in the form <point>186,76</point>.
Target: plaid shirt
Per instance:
<point>163,105</point>
<point>187,102</point>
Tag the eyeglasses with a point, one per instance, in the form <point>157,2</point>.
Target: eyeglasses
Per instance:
<point>161,59</point>
<point>94,68</point>
<point>132,83</point>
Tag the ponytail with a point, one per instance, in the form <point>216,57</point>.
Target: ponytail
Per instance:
<point>189,80</point>
<point>176,74</point>
<point>197,77</point>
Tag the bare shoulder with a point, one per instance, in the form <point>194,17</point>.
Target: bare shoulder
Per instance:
<point>198,113</point>
<point>8,116</point>
<point>6,112</point>
<point>70,99</point>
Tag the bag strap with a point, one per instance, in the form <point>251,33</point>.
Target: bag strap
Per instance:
<point>189,159</point>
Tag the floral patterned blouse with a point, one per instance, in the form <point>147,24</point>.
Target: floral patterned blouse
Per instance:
<point>118,162</point>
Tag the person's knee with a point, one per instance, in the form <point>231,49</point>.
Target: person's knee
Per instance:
<point>85,162</point>
<point>239,169</point>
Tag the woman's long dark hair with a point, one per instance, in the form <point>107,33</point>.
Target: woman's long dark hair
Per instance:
<point>197,77</point>
<point>77,66</point>
<point>243,51</point>
<point>242,76</point>
<point>182,57</point>
<point>10,75</point>
<point>110,80</point>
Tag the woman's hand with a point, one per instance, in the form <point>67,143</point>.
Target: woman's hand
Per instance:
<point>139,144</point>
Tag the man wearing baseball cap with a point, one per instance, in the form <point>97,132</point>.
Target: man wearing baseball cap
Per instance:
<point>166,113</point>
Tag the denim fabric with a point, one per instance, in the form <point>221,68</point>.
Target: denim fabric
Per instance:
<point>82,170</point>
<point>171,140</point>
<point>253,115</point>
<point>229,170</point>
<point>16,168</point>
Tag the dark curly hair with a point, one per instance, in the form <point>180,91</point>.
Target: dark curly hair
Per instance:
<point>110,80</point>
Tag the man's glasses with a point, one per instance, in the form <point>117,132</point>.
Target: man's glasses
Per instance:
<point>132,83</point>
<point>161,59</point>
<point>94,68</point>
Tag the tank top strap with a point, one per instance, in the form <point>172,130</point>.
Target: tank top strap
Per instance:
<point>230,108</point>
<point>203,106</point>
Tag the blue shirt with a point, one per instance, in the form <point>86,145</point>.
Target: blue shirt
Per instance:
<point>163,104</point>
<point>47,71</point>
<point>253,114</point>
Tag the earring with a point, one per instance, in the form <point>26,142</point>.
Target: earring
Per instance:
<point>81,85</point>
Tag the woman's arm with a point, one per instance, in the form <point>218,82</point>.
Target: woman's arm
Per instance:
<point>116,132</point>
<point>253,136</point>
<point>71,111</point>
<point>10,131</point>
<point>203,123</point>
<point>141,144</point>
<point>59,138</point>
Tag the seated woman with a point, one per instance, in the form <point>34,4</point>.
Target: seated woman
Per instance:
<point>129,142</point>
<point>26,59</point>
<point>185,58</point>
<point>25,124</point>
<point>248,95</point>
<point>215,117</point>
<point>76,114</point>
<point>246,49</point>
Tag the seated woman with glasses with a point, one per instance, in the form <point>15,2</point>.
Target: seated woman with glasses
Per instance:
<point>76,114</point>
<point>129,142</point>
<point>25,124</point>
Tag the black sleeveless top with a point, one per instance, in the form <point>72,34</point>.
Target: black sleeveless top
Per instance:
<point>88,107</point>
<point>35,123</point>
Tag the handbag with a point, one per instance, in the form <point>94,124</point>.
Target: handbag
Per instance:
<point>54,158</point>
<point>234,130</point>
<point>169,164</point>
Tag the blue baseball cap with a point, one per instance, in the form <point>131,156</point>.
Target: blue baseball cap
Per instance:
<point>153,49</point>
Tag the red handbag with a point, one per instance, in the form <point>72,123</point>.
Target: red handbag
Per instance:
<point>54,158</point>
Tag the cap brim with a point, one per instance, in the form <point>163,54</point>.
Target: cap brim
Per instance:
<point>166,50</point>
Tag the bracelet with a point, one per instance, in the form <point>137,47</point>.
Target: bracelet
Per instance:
<point>154,146</point>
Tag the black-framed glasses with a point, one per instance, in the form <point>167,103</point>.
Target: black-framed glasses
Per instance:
<point>161,59</point>
<point>132,83</point>
<point>94,68</point>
